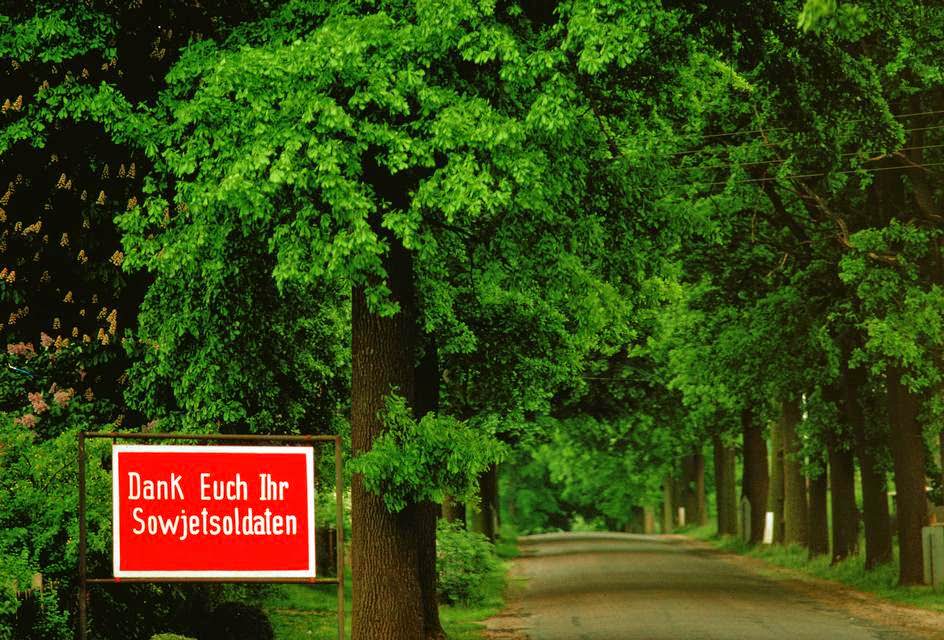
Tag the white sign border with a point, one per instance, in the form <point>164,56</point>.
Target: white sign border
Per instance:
<point>307,451</point>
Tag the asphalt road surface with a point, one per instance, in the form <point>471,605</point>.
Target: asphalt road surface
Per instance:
<point>627,587</point>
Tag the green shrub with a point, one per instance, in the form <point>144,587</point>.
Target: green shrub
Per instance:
<point>464,562</point>
<point>169,636</point>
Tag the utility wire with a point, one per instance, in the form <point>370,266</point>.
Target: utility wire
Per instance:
<point>726,134</point>
<point>812,175</point>
<point>702,150</point>
<point>775,161</point>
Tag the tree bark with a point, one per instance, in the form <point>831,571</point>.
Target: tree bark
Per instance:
<point>453,511</point>
<point>940,449</point>
<point>688,489</point>
<point>878,535</point>
<point>677,500</point>
<point>775,497</point>
<point>668,504</point>
<point>701,507</point>
<point>648,520</point>
<point>755,478</point>
<point>845,512</point>
<point>725,487</point>
<point>427,514</point>
<point>819,520</point>
<point>388,599</point>
<point>427,400</point>
<point>485,518</point>
<point>908,455</point>
<point>796,509</point>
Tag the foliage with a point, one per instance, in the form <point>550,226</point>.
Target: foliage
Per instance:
<point>421,460</point>
<point>465,561</point>
<point>628,223</point>
<point>39,527</point>
<point>529,498</point>
<point>235,353</point>
<point>902,310</point>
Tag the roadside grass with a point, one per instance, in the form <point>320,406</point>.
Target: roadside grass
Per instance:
<point>309,612</point>
<point>881,581</point>
<point>299,611</point>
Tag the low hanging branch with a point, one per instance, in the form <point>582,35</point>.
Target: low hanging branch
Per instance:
<point>811,199</point>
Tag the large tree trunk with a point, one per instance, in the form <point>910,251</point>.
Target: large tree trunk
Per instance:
<point>388,599</point>
<point>908,455</point>
<point>485,518</point>
<point>427,400</point>
<point>428,513</point>
<point>819,520</point>
<point>668,504</point>
<point>725,487</point>
<point>845,513</point>
<point>842,479</point>
<point>755,479</point>
<point>775,496</point>
<point>875,515</point>
<point>878,535</point>
<point>796,510</point>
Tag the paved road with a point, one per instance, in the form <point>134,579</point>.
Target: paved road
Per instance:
<point>627,587</point>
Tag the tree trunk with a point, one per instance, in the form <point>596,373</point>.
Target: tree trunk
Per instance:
<point>908,455</point>
<point>427,400</point>
<point>700,517</point>
<point>648,521</point>
<point>636,522</point>
<point>940,448</point>
<point>796,510</point>
<point>485,518</point>
<point>427,515</point>
<point>453,511</point>
<point>775,497</point>
<point>878,535</point>
<point>668,504</point>
<point>845,513</point>
<point>388,602</point>
<point>875,516</point>
<point>755,479</point>
<point>819,520</point>
<point>725,487</point>
<point>677,500</point>
<point>688,489</point>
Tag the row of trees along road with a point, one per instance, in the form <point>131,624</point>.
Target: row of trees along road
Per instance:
<point>584,237</point>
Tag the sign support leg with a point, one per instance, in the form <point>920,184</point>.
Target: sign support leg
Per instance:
<point>339,497</point>
<point>83,586</point>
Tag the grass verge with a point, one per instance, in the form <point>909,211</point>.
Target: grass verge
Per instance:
<point>304,612</point>
<point>881,581</point>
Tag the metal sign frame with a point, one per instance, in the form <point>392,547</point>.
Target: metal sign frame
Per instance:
<point>312,441</point>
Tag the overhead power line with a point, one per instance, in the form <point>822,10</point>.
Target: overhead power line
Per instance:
<point>781,160</point>
<point>740,132</point>
<point>702,150</point>
<point>813,175</point>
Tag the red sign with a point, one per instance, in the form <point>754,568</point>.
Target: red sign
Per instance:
<point>213,512</point>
